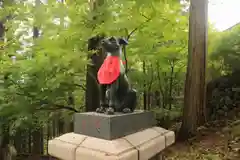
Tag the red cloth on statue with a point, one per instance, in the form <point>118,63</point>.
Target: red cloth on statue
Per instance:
<point>110,70</point>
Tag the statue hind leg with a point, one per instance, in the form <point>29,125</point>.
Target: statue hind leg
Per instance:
<point>130,101</point>
<point>128,96</point>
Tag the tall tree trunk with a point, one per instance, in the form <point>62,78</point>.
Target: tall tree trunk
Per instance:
<point>194,100</point>
<point>92,97</point>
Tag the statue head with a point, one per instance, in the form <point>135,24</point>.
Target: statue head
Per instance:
<point>113,45</point>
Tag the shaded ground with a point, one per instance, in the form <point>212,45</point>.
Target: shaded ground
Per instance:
<point>214,142</point>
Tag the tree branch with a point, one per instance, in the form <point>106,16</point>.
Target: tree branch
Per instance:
<point>45,102</point>
<point>81,86</point>
<point>42,102</point>
<point>135,29</point>
<point>57,106</point>
<point>129,36</point>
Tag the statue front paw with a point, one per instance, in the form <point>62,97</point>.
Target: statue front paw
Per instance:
<point>110,111</point>
<point>127,110</point>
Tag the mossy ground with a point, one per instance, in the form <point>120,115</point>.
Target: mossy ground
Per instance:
<point>212,143</point>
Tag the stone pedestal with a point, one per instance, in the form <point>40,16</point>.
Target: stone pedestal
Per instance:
<point>142,145</point>
<point>112,126</point>
<point>104,141</point>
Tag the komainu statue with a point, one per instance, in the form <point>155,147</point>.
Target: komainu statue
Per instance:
<point>115,90</point>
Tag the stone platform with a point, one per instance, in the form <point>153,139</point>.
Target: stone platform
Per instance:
<point>110,127</point>
<point>142,145</point>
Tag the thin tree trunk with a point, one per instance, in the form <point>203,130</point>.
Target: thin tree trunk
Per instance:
<point>30,140</point>
<point>194,100</point>
<point>67,125</point>
<point>53,132</point>
<point>18,141</point>
<point>41,130</point>
<point>171,85</point>
<point>36,138</point>
<point>144,88</point>
<point>157,98</point>
<point>149,89</point>
<point>24,141</point>
<point>56,123</point>
<point>1,31</point>
<point>60,126</point>
<point>165,91</point>
<point>48,133</point>
<point>161,96</point>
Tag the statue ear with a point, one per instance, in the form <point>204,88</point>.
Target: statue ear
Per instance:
<point>122,41</point>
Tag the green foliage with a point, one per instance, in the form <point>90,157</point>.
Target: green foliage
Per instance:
<point>225,53</point>
<point>168,115</point>
<point>52,67</point>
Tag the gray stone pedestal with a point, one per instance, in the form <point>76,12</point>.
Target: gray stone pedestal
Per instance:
<point>116,137</point>
<point>112,126</point>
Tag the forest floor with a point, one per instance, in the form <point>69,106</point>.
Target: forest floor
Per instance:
<point>214,142</point>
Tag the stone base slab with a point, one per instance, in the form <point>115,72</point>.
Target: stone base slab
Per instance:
<point>142,145</point>
<point>111,127</point>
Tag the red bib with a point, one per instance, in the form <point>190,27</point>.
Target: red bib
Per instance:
<point>110,70</point>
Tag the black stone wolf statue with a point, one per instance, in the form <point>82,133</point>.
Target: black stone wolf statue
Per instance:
<point>115,90</point>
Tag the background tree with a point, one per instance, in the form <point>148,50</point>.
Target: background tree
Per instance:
<point>92,98</point>
<point>194,95</point>
<point>226,49</point>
